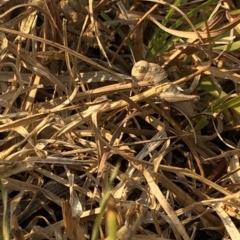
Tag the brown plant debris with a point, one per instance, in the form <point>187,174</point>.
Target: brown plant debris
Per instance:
<point>89,150</point>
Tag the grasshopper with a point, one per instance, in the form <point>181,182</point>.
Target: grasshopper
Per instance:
<point>145,71</point>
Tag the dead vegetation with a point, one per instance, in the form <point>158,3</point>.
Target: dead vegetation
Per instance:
<point>87,153</point>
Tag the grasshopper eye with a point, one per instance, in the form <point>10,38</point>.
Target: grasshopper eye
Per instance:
<point>142,69</point>
<point>141,66</point>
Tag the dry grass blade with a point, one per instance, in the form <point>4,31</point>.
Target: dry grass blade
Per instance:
<point>229,225</point>
<point>134,218</point>
<point>89,152</point>
<point>5,221</point>
<point>60,47</point>
<point>175,222</point>
<point>185,200</point>
<point>204,35</point>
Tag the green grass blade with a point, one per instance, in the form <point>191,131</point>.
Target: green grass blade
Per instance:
<point>208,86</point>
<point>103,204</point>
<point>233,103</point>
<point>160,46</point>
<point>201,122</point>
<point>229,47</point>
<point>154,45</point>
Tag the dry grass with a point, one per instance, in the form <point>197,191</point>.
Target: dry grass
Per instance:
<point>85,153</point>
